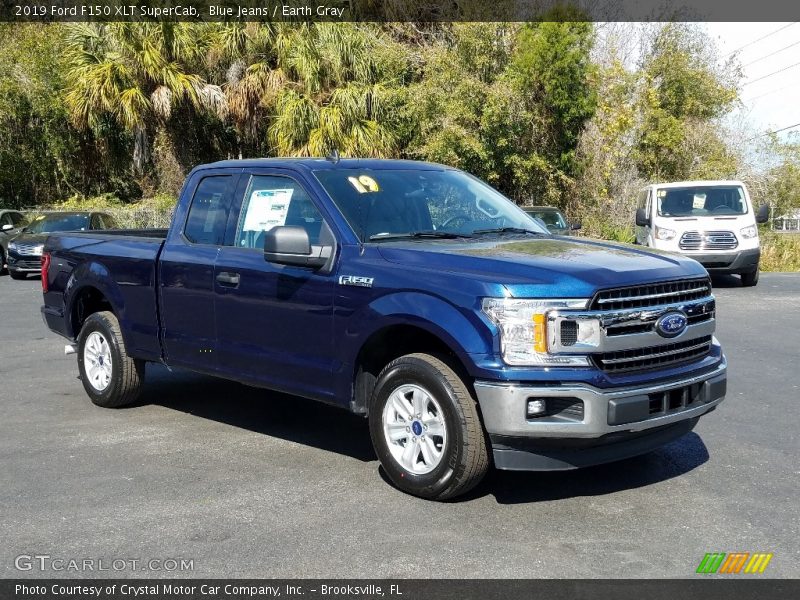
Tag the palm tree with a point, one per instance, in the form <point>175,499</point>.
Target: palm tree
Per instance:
<point>318,87</point>
<point>136,74</point>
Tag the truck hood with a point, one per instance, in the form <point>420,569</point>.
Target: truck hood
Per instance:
<point>545,266</point>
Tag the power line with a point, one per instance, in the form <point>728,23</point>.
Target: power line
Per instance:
<point>780,89</point>
<point>776,131</point>
<point>763,37</point>
<point>771,74</point>
<point>771,54</point>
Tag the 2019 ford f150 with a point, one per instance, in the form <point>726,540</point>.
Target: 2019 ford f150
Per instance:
<point>411,293</point>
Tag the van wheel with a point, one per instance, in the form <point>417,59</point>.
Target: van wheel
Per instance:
<point>17,274</point>
<point>750,279</point>
<point>425,428</point>
<point>110,377</point>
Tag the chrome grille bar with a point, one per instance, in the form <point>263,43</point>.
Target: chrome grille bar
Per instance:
<point>708,240</point>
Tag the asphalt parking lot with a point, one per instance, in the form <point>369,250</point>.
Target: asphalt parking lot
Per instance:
<point>249,483</point>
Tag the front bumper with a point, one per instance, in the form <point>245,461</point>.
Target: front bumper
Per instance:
<point>24,263</point>
<point>596,425</point>
<point>743,261</point>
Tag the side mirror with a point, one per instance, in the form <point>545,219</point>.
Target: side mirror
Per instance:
<point>289,245</point>
<point>762,216</point>
<point>642,220</point>
<point>7,227</point>
<point>575,226</point>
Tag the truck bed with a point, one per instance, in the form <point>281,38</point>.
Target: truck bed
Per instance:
<point>121,264</point>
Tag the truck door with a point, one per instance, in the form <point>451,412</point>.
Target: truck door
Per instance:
<point>274,322</point>
<point>186,271</point>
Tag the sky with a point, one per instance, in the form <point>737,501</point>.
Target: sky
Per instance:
<point>771,95</point>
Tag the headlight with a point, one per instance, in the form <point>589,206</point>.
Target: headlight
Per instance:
<point>749,232</point>
<point>523,330</point>
<point>662,233</point>
<point>37,250</point>
<point>12,246</point>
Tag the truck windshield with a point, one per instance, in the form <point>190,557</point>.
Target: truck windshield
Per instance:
<point>418,204</point>
<point>50,223</point>
<point>701,201</point>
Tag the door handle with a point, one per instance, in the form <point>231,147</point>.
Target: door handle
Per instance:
<point>231,279</point>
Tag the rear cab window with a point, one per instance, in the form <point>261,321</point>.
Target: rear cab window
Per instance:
<point>208,212</point>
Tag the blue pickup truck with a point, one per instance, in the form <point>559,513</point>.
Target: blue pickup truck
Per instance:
<point>411,293</point>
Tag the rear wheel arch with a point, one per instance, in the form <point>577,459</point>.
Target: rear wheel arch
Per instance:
<point>85,302</point>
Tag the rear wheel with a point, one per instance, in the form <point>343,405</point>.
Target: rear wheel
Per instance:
<point>426,430</point>
<point>2,261</point>
<point>17,274</point>
<point>750,279</point>
<point>110,376</point>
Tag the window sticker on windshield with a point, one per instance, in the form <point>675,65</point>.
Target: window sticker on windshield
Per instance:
<point>662,193</point>
<point>364,184</point>
<point>267,209</point>
<point>699,201</point>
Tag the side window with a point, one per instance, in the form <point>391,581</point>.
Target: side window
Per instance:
<point>271,201</point>
<point>5,219</point>
<point>208,213</point>
<point>17,219</point>
<point>96,222</point>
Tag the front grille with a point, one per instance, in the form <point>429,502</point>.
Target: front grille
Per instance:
<point>655,294</point>
<point>28,249</point>
<point>28,264</point>
<point>661,403</point>
<point>653,356</point>
<point>626,329</point>
<point>708,240</point>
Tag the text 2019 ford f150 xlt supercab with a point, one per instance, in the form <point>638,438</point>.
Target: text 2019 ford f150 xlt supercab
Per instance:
<point>408,292</point>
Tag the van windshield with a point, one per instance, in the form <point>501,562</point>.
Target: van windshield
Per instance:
<point>718,200</point>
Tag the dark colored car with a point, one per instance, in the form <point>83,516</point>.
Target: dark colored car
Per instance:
<point>11,224</point>
<point>25,250</point>
<point>410,293</point>
<point>553,219</point>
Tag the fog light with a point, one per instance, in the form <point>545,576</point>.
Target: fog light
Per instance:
<point>536,408</point>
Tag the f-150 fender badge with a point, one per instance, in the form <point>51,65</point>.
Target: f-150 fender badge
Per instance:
<point>356,280</point>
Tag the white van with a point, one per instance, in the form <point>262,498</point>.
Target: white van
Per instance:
<point>710,221</point>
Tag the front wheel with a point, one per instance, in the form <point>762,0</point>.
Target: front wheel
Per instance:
<point>18,275</point>
<point>426,430</point>
<point>110,377</point>
<point>750,279</point>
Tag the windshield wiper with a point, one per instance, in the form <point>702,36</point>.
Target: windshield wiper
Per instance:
<point>444,235</point>
<point>509,230</point>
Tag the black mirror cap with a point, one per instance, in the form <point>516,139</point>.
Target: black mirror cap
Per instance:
<point>575,226</point>
<point>289,245</point>
<point>285,239</point>
<point>642,220</point>
<point>762,216</point>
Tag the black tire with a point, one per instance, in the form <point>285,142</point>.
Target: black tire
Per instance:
<point>2,262</point>
<point>127,374</point>
<point>750,279</point>
<point>464,456</point>
<point>17,275</point>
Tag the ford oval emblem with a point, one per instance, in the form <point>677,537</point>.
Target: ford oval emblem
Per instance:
<point>671,324</point>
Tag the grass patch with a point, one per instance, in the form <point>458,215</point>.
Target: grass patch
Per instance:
<point>780,251</point>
